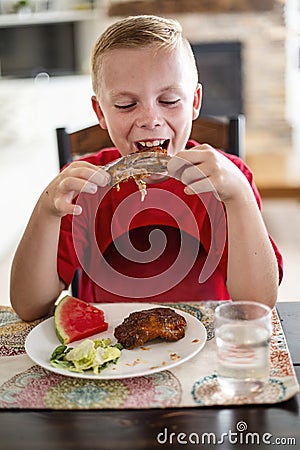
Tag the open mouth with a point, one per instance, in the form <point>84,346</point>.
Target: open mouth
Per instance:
<point>148,146</point>
<point>150,158</point>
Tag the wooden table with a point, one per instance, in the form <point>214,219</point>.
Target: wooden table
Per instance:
<point>138,429</point>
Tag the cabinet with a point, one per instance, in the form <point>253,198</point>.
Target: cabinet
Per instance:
<point>30,111</point>
<point>32,107</point>
<point>57,41</point>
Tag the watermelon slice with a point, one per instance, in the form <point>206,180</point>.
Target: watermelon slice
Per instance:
<point>75,319</point>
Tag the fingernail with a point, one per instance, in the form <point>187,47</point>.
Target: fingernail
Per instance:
<point>93,188</point>
<point>107,178</point>
<point>77,210</point>
<point>188,191</point>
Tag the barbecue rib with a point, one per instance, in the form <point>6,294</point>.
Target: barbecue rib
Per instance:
<point>138,166</point>
<point>142,326</point>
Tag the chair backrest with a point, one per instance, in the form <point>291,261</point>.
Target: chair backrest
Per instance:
<point>223,133</point>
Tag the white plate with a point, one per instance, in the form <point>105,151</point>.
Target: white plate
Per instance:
<point>154,356</point>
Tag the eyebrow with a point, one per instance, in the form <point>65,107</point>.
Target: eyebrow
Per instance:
<point>115,94</point>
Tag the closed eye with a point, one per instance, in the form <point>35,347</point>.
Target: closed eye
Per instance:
<point>170,102</point>
<point>125,106</point>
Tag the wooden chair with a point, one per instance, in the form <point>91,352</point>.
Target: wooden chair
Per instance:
<point>223,133</point>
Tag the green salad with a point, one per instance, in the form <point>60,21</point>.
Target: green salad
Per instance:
<point>94,354</point>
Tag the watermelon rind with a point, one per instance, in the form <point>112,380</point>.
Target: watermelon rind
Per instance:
<point>64,326</point>
<point>64,339</point>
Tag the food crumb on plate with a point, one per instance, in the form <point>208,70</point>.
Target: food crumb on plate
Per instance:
<point>136,362</point>
<point>174,356</point>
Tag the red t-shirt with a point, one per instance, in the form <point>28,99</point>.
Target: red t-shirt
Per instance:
<point>170,248</point>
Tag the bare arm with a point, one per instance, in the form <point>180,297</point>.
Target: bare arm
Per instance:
<point>252,272</point>
<point>35,284</point>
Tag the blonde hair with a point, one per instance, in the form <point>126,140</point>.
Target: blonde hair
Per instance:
<point>139,32</point>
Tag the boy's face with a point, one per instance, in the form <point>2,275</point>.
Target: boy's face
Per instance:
<point>147,97</point>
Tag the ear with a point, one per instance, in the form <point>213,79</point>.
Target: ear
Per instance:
<point>99,113</point>
<point>197,101</point>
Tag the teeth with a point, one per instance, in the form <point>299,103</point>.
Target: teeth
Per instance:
<point>149,144</point>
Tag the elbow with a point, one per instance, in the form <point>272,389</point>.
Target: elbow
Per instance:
<point>28,311</point>
<point>261,290</point>
<point>20,308</point>
<point>266,296</point>
<point>28,314</point>
<point>261,287</point>
<point>271,298</point>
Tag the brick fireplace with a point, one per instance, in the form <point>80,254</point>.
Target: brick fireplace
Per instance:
<point>220,71</point>
<point>259,28</point>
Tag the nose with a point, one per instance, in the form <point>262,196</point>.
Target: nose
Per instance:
<point>149,117</point>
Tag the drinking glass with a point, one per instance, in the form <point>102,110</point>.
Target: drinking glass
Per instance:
<point>243,332</point>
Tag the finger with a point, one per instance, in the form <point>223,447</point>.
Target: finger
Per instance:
<point>194,155</point>
<point>100,177</point>
<point>88,172</point>
<point>71,184</point>
<point>185,159</point>
<point>200,187</point>
<point>176,166</point>
<point>192,173</point>
<point>64,207</point>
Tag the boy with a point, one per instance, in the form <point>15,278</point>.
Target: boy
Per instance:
<point>198,235</point>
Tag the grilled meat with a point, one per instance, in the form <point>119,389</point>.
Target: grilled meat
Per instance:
<point>138,165</point>
<point>143,326</point>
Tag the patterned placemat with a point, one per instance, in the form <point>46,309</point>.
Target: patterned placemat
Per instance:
<point>195,383</point>
<point>13,332</point>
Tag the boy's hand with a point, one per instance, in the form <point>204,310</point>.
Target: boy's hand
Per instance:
<point>204,169</point>
<point>79,176</point>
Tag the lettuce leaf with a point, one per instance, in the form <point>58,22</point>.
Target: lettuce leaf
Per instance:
<point>89,354</point>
